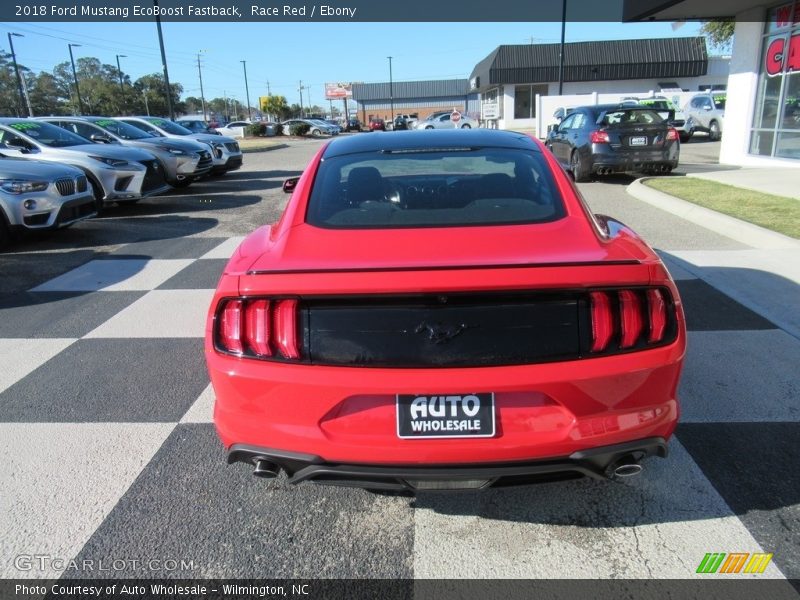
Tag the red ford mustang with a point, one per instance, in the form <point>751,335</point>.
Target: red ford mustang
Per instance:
<point>441,310</point>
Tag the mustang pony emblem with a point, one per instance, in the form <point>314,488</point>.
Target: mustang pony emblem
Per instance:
<point>439,333</point>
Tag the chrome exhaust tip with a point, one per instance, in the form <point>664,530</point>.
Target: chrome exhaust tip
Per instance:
<point>627,466</point>
<point>266,469</point>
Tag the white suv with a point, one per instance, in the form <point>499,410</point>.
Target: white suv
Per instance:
<point>706,112</point>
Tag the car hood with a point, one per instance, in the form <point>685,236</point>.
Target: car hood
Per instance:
<point>175,144</point>
<point>309,248</point>
<point>109,151</point>
<point>25,167</point>
<point>208,137</point>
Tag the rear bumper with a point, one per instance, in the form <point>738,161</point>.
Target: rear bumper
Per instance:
<point>615,161</point>
<point>596,462</point>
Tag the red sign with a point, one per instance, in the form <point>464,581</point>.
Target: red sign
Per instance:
<point>780,60</point>
<point>455,116</point>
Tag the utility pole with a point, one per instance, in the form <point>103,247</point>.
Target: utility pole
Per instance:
<point>27,97</point>
<point>269,93</point>
<point>227,109</point>
<point>121,85</point>
<point>170,108</point>
<point>300,89</point>
<point>391,90</point>
<point>202,95</point>
<point>561,48</point>
<point>246,90</point>
<point>75,77</point>
<point>146,106</point>
<point>16,70</point>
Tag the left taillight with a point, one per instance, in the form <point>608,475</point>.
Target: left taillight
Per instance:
<point>265,328</point>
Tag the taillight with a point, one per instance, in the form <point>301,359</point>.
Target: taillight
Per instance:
<point>286,328</point>
<point>230,326</point>
<point>258,328</point>
<point>630,319</point>
<point>672,134</point>
<point>602,321</point>
<point>658,315</point>
<point>599,137</point>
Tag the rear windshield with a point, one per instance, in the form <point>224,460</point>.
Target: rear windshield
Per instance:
<point>631,116</point>
<point>433,188</point>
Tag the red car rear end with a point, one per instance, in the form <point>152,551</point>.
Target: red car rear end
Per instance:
<point>445,334</point>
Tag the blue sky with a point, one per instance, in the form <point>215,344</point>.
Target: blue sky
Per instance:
<point>284,53</point>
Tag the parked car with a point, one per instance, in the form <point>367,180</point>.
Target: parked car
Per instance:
<point>197,125</point>
<point>353,125</point>
<point>400,123</point>
<point>706,112</point>
<point>377,125</point>
<point>461,367</point>
<point>315,129</point>
<point>442,120</point>
<point>225,151</point>
<point>614,138</point>
<point>115,173</point>
<point>234,129</point>
<point>37,195</point>
<point>183,161</point>
<point>326,127</point>
<point>671,113</point>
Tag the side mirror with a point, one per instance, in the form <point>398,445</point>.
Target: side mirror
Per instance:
<point>559,114</point>
<point>290,184</point>
<point>706,107</point>
<point>99,138</point>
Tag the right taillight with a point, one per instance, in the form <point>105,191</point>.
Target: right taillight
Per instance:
<point>258,328</point>
<point>628,319</point>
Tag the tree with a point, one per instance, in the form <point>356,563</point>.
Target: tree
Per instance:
<point>48,95</point>
<point>9,94</point>
<point>719,33</point>
<point>275,106</point>
<point>153,88</point>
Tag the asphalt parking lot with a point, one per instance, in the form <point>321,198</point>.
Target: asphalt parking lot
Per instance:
<point>105,423</point>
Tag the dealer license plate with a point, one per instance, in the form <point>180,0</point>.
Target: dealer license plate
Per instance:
<point>639,141</point>
<point>445,416</point>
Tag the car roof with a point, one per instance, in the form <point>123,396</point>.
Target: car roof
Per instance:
<point>430,139</point>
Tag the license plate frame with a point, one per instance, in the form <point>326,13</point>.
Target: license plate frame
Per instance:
<point>638,140</point>
<point>451,416</point>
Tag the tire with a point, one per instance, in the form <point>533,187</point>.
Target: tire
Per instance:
<point>97,192</point>
<point>315,133</point>
<point>5,234</point>
<point>466,126</point>
<point>714,132</point>
<point>684,136</point>
<point>579,173</point>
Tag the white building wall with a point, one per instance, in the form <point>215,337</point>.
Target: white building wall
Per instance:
<point>742,90</point>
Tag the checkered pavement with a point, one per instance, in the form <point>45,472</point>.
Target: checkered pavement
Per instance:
<point>109,452</point>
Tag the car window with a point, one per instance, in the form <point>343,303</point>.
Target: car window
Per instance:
<point>567,123</point>
<point>719,102</point>
<point>122,130</point>
<point>145,127</point>
<point>169,126</point>
<point>433,188</point>
<point>48,134</point>
<point>579,122</point>
<point>630,116</point>
<point>82,129</point>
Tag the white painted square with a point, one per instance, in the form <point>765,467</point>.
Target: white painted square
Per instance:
<point>19,357</point>
<point>60,481</point>
<point>202,411</point>
<point>160,314</point>
<point>659,524</point>
<point>116,275</point>
<point>225,249</point>
<point>740,376</point>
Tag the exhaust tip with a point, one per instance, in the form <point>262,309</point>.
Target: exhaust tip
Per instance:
<point>627,466</point>
<point>266,469</point>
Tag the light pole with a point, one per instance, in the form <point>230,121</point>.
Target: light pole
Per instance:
<point>16,70</point>
<point>246,90</point>
<point>75,77</point>
<point>202,95</point>
<point>121,85</point>
<point>391,90</point>
<point>561,48</point>
<point>164,63</point>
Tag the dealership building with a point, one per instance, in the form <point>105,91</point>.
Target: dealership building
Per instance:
<point>380,100</point>
<point>762,114</point>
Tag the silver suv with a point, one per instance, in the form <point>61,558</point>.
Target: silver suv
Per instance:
<point>115,174</point>
<point>706,112</point>
<point>39,195</point>
<point>224,150</point>
<point>183,161</point>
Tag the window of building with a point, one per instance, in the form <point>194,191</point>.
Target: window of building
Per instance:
<point>775,129</point>
<point>525,100</point>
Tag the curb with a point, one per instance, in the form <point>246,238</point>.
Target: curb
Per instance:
<point>267,149</point>
<point>736,229</point>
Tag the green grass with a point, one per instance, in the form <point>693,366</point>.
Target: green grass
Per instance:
<point>772,212</point>
<point>258,144</point>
